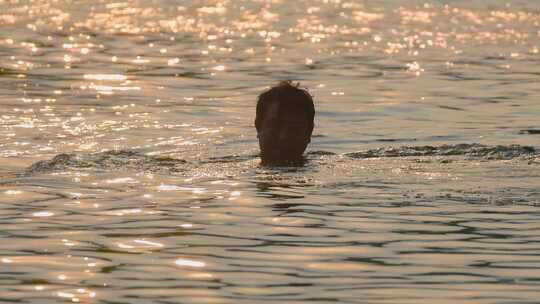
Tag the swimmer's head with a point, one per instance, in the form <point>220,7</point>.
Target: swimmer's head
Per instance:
<point>284,124</point>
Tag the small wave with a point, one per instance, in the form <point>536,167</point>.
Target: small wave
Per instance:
<point>530,131</point>
<point>135,160</point>
<point>120,159</point>
<point>320,153</point>
<point>470,150</point>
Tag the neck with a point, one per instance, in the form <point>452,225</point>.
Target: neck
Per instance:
<point>296,162</point>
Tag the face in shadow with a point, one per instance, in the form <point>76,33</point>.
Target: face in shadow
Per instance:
<point>284,125</point>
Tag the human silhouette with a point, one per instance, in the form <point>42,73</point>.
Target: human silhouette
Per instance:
<point>284,123</point>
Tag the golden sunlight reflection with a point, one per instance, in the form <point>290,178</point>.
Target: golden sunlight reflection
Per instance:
<point>140,60</point>
<point>200,275</point>
<point>125,246</point>
<point>130,165</point>
<point>140,245</point>
<point>173,61</point>
<point>189,263</point>
<point>111,77</point>
<point>122,180</point>
<point>110,89</point>
<point>180,188</point>
<point>148,243</point>
<point>219,68</point>
<point>68,243</point>
<point>124,212</point>
<point>12,192</point>
<point>42,214</point>
<point>76,295</point>
<point>415,68</point>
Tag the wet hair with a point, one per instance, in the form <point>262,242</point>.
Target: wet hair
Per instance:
<point>290,97</point>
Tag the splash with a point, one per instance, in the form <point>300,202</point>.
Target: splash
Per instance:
<point>468,150</point>
<point>132,160</point>
<point>110,160</point>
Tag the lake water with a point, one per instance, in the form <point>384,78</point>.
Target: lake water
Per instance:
<point>129,168</point>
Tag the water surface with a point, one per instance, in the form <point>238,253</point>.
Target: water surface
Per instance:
<point>129,169</point>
